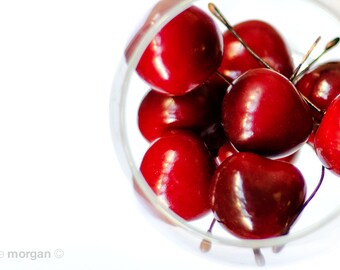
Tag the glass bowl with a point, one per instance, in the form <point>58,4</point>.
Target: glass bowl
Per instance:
<point>300,22</point>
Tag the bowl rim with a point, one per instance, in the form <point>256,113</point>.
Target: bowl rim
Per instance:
<point>119,135</point>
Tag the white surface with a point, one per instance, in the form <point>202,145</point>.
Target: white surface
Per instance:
<point>61,186</point>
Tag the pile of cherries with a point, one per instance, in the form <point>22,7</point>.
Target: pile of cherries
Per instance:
<point>225,114</point>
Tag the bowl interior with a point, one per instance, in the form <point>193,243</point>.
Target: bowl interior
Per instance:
<point>300,22</point>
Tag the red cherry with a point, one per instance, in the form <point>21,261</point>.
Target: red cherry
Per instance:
<point>327,138</point>
<point>183,54</point>
<point>159,112</point>
<point>225,151</point>
<point>264,40</point>
<point>197,110</point>
<point>255,197</point>
<point>159,10</point>
<point>228,150</point>
<point>265,114</point>
<point>179,168</point>
<point>321,85</point>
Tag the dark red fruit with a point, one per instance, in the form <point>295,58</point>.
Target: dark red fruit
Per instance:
<point>321,86</point>
<point>327,138</point>
<point>264,40</point>
<point>159,112</point>
<point>160,9</point>
<point>197,111</point>
<point>263,113</point>
<point>183,54</point>
<point>225,151</point>
<point>255,197</point>
<point>228,150</point>
<point>179,168</point>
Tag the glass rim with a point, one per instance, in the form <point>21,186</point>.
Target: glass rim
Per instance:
<point>135,173</point>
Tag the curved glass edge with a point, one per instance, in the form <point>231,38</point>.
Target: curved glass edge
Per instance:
<point>119,135</point>
<point>331,5</point>
<point>168,10</point>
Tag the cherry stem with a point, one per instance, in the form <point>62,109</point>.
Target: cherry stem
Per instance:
<point>292,78</point>
<point>211,226</point>
<point>205,245</point>
<point>277,249</point>
<point>311,104</point>
<point>218,14</point>
<point>259,258</point>
<point>295,74</point>
<point>322,176</point>
<point>223,77</point>
<point>315,190</point>
<point>331,44</point>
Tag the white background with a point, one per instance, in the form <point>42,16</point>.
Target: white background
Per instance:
<point>61,186</point>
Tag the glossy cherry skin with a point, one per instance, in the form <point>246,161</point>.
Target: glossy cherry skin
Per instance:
<point>263,113</point>
<point>321,86</point>
<point>178,167</point>
<point>327,138</point>
<point>264,40</point>
<point>197,110</point>
<point>159,112</point>
<point>226,150</point>
<point>183,54</point>
<point>255,197</point>
<point>160,9</point>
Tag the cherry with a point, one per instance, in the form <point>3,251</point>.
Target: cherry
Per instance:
<point>327,138</point>
<point>199,110</point>
<point>254,197</point>
<point>330,45</point>
<point>264,113</point>
<point>264,40</point>
<point>178,167</point>
<point>321,86</point>
<point>159,112</point>
<point>227,150</point>
<point>262,116</point>
<point>184,54</point>
<point>158,10</point>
